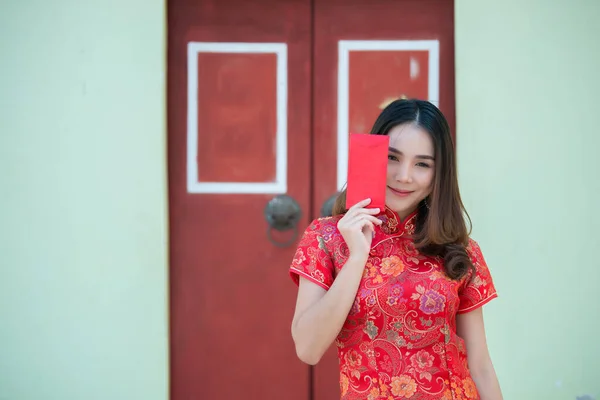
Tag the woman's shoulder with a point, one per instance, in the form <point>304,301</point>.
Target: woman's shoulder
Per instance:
<point>473,248</point>
<point>324,224</point>
<point>475,254</point>
<point>323,232</point>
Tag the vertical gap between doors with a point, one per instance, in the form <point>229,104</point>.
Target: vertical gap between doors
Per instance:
<point>311,168</point>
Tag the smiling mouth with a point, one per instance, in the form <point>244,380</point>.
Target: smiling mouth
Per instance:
<point>402,193</point>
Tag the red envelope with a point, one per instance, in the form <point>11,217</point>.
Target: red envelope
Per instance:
<point>367,169</point>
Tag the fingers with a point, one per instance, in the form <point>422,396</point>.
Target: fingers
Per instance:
<point>360,219</point>
<point>368,227</point>
<point>360,204</point>
<point>360,208</point>
<point>363,217</point>
<point>375,220</point>
<point>362,224</point>
<point>366,211</point>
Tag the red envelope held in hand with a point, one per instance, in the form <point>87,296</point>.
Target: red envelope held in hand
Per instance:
<point>367,169</point>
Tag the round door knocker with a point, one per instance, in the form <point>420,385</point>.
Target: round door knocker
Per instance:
<point>327,207</point>
<point>282,214</point>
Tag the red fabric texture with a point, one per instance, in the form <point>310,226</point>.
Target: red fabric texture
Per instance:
<point>399,340</point>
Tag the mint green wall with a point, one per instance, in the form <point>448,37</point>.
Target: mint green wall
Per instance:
<point>528,101</point>
<point>83,261</point>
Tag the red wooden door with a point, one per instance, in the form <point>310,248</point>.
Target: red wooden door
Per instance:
<point>261,97</point>
<point>238,99</point>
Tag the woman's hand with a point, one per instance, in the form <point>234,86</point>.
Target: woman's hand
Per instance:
<point>357,227</point>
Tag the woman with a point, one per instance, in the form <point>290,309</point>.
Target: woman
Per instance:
<point>399,290</point>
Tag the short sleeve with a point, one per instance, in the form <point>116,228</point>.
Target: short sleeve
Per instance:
<point>479,289</point>
<point>312,260</point>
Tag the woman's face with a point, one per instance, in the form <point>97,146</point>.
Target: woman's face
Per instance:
<point>410,169</point>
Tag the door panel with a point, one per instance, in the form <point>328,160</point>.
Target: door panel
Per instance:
<point>238,99</point>
<point>244,95</point>
<point>366,54</point>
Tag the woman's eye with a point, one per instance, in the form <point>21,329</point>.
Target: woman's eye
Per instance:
<point>392,158</point>
<point>422,164</point>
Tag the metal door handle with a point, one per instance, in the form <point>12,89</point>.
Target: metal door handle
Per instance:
<point>327,207</point>
<point>282,214</point>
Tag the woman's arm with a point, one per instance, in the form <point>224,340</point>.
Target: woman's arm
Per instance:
<point>320,314</point>
<point>470,328</point>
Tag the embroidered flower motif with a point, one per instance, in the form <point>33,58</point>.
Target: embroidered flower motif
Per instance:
<point>373,394</point>
<point>456,390</point>
<point>477,282</point>
<point>392,301</point>
<point>318,275</point>
<point>328,231</point>
<point>458,394</point>
<point>371,330</point>
<point>386,364</point>
<point>392,266</point>
<point>403,386</point>
<point>432,302</point>
<point>422,361</point>
<point>352,365</point>
<point>344,383</point>
<point>391,335</point>
<point>299,258</point>
<point>367,349</point>
<point>395,292</point>
<point>390,222</point>
<point>435,275</point>
<point>384,389</point>
<point>353,359</point>
<point>469,388</point>
<point>371,301</point>
<point>370,270</point>
<point>410,227</point>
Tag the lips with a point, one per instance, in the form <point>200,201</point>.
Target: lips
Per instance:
<point>400,192</point>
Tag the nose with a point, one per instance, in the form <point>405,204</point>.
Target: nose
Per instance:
<point>404,173</point>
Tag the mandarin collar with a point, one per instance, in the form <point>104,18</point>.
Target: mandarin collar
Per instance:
<point>392,225</point>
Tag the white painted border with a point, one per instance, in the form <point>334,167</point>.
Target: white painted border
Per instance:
<point>344,49</point>
<point>280,184</point>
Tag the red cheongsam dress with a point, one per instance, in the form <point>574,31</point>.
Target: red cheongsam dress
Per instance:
<point>399,340</point>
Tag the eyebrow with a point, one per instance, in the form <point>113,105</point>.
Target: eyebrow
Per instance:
<point>425,157</point>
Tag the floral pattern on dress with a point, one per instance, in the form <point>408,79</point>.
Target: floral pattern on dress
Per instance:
<point>399,340</point>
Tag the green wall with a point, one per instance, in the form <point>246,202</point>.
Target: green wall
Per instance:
<point>83,238</point>
<point>528,100</point>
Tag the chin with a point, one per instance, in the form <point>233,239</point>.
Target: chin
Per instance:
<point>402,209</point>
